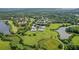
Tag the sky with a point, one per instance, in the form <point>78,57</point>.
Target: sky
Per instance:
<point>39,3</point>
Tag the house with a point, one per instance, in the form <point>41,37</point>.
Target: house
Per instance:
<point>33,29</point>
<point>39,25</point>
<point>37,28</point>
<point>22,21</point>
<point>41,22</point>
<point>41,28</point>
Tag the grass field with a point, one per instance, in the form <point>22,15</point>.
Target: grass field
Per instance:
<point>51,42</point>
<point>32,40</point>
<point>4,45</point>
<point>75,40</point>
<point>13,38</point>
<point>13,28</point>
<point>55,25</point>
<point>49,39</point>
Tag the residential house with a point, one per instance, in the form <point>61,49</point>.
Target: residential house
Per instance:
<point>41,28</point>
<point>22,21</point>
<point>33,29</point>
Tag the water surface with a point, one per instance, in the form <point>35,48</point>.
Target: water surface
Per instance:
<point>4,28</point>
<point>63,34</point>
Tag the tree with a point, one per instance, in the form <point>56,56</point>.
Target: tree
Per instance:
<point>72,47</point>
<point>34,34</point>
<point>66,41</point>
<point>60,46</point>
<point>19,47</point>
<point>13,45</point>
<point>1,34</point>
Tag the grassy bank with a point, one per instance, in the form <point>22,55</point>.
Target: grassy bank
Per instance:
<point>13,29</point>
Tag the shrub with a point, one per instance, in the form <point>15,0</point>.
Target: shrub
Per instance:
<point>73,29</point>
<point>72,47</point>
<point>19,47</point>
<point>60,46</point>
<point>29,34</point>
<point>34,34</point>
<point>13,45</point>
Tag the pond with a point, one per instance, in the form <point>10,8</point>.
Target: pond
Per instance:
<point>4,28</point>
<point>63,34</point>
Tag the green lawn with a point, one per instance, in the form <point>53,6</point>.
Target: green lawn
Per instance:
<point>50,43</point>
<point>75,40</point>
<point>68,24</point>
<point>55,25</point>
<point>13,28</point>
<point>13,38</point>
<point>4,45</point>
<point>32,40</point>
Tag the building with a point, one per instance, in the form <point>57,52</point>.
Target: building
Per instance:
<point>33,29</point>
<point>22,21</point>
<point>41,28</point>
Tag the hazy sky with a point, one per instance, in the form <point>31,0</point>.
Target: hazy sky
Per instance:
<point>39,3</point>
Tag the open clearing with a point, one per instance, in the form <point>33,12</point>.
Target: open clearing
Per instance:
<point>4,45</point>
<point>75,40</point>
<point>55,25</point>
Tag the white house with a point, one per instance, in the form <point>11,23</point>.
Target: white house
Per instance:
<point>33,29</point>
<point>41,28</point>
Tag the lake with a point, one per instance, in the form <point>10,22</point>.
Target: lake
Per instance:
<point>63,34</point>
<point>4,28</point>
